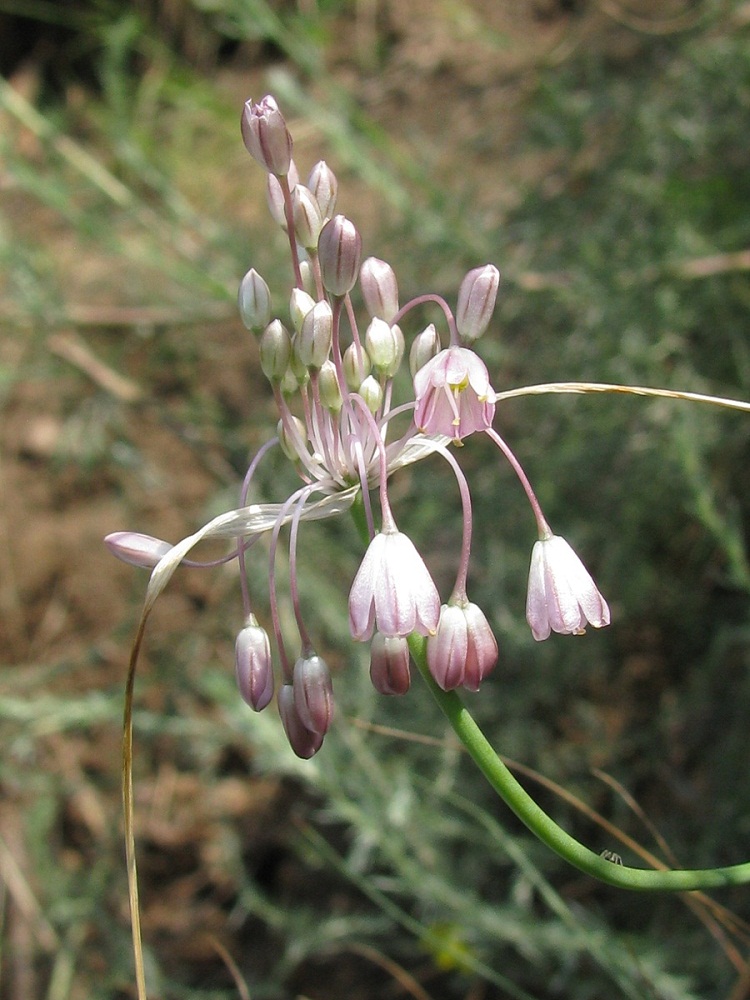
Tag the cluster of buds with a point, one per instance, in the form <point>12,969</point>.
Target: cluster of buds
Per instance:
<point>333,384</point>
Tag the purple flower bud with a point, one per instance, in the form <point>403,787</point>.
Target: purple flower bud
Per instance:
<point>379,288</point>
<point>275,195</point>
<point>425,347</point>
<point>253,665</point>
<point>393,590</point>
<point>254,301</point>
<point>307,218</point>
<point>313,342</point>
<point>562,596</point>
<point>275,351</point>
<point>136,549</point>
<point>300,304</point>
<point>339,250</point>
<point>453,394</point>
<point>389,664</point>
<point>302,740</point>
<point>266,136</point>
<point>476,300</point>
<point>324,186</point>
<point>463,650</point>
<point>313,693</point>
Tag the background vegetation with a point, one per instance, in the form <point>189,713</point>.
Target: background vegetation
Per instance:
<point>597,153</point>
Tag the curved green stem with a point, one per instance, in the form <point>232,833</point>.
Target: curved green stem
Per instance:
<point>540,824</point>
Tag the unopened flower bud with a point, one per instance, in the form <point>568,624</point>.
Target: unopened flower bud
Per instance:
<point>300,304</point>
<point>307,218</point>
<point>289,384</point>
<point>476,300</point>
<point>275,351</point>
<point>136,549</point>
<point>313,693</point>
<point>356,366</point>
<point>385,345</point>
<point>315,337</point>
<point>254,301</point>
<point>275,195</point>
<point>303,741</point>
<point>389,664</point>
<point>308,278</point>
<point>330,389</point>
<point>324,186</point>
<point>379,288</point>
<point>253,665</point>
<point>425,347</point>
<point>339,250</point>
<point>293,439</point>
<point>372,393</point>
<point>296,366</point>
<point>266,136</point>
<point>463,650</point>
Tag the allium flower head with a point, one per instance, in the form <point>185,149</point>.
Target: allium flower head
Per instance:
<point>562,596</point>
<point>453,394</point>
<point>393,590</point>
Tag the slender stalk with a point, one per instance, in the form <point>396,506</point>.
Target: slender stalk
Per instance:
<point>545,828</point>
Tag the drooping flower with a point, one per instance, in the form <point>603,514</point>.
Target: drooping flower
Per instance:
<point>253,665</point>
<point>463,650</point>
<point>313,693</point>
<point>562,596</point>
<point>393,590</point>
<point>389,664</point>
<point>453,394</point>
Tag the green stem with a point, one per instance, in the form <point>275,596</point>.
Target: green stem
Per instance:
<point>540,824</point>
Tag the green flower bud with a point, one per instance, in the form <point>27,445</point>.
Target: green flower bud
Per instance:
<point>275,351</point>
<point>254,301</point>
<point>330,390</point>
<point>315,337</point>
<point>425,347</point>
<point>307,218</point>
<point>357,366</point>
<point>372,393</point>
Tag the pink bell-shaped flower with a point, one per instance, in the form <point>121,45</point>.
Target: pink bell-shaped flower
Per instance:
<point>463,650</point>
<point>393,590</point>
<point>453,394</point>
<point>562,596</point>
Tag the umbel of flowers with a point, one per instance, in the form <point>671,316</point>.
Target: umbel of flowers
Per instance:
<point>332,375</point>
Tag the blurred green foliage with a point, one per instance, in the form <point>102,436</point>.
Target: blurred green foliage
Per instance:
<point>623,262</point>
